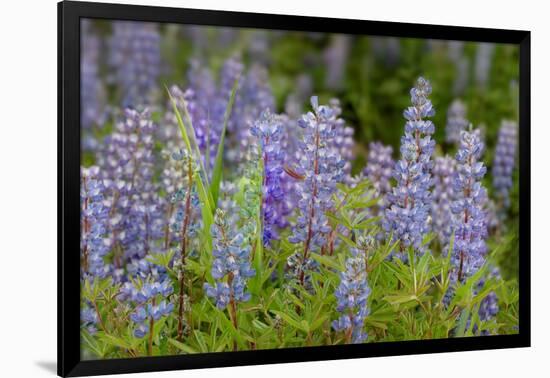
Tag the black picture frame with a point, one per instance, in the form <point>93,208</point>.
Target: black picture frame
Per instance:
<point>69,14</point>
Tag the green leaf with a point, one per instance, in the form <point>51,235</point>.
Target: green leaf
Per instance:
<point>462,322</point>
<point>91,343</point>
<point>115,341</point>
<point>318,322</point>
<point>217,172</point>
<point>398,299</point>
<point>200,340</point>
<point>327,261</point>
<point>291,321</point>
<point>183,347</point>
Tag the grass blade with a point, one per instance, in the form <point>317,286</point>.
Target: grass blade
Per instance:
<point>207,208</point>
<point>217,171</point>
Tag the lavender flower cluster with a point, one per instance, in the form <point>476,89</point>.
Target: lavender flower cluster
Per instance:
<point>92,92</point>
<point>351,296</point>
<point>379,170</point>
<point>320,168</point>
<point>443,196</point>
<point>147,309</point>
<point>127,163</point>
<point>135,60</point>
<point>469,224</point>
<point>269,131</point>
<point>406,218</point>
<point>456,122</point>
<point>504,161</point>
<point>231,266</point>
<point>93,221</point>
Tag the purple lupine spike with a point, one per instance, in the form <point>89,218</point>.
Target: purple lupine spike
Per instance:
<point>351,296</point>
<point>127,162</point>
<point>92,92</point>
<point>483,63</point>
<point>135,59</point>
<point>504,162</point>
<point>321,167</point>
<point>268,129</point>
<point>336,58</point>
<point>343,138</point>
<point>456,121</point>
<point>89,319</point>
<point>488,308</point>
<point>149,298</point>
<point>409,203</point>
<point>93,222</point>
<point>231,266</point>
<point>469,223</point>
<point>442,216</point>
<point>379,170</point>
<point>456,55</point>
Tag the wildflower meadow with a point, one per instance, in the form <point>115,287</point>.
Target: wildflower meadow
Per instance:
<point>258,189</point>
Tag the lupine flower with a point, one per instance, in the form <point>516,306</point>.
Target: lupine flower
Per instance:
<point>92,92</point>
<point>456,121</point>
<point>89,319</point>
<point>442,216</point>
<point>231,266</point>
<point>142,316</point>
<point>343,138</point>
<point>483,62</point>
<point>379,169</point>
<point>351,296</point>
<point>144,269</point>
<point>185,225</point>
<point>127,162</point>
<point>504,162</point>
<point>183,198</point>
<point>93,221</point>
<point>336,59</point>
<point>488,308</point>
<point>149,298</point>
<point>409,204</point>
<point>456,55</point>
<point>135,58</point>
<point>227,203</point>
<point>268,129</point>
<point>321,168</point>
<point>469,223</point>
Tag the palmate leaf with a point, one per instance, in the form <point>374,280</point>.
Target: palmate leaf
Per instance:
<point>217,172</point>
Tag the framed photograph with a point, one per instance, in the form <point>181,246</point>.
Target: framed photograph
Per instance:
<point>239,188</point>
